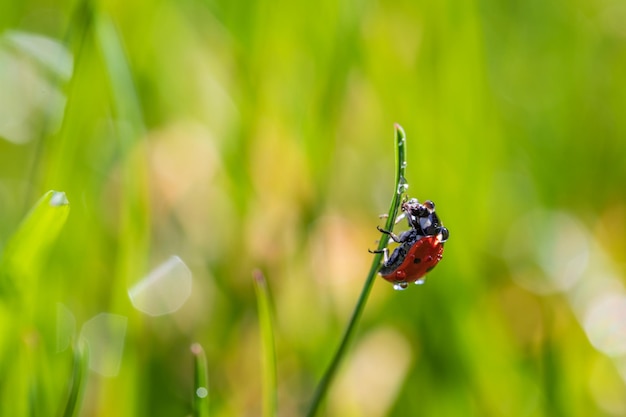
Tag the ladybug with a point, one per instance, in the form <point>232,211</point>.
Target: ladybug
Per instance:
<point>420,249</point>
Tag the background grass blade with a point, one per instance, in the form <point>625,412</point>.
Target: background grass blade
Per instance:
<point>30,243</point>
<point>268,360</point>
<point>78,380</point>
<point>201,382</point>
<point>130,131</point>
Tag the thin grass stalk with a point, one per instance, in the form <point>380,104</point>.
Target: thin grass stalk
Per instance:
<point>266,325</point>
<point>201,382</point>
<point>399,188</point>
<point>78,380</point>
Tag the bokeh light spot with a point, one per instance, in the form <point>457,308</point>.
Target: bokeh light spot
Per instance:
<point>547,252</point>
<point>363,389</point>
<point>66,326</point>
<point>164,290</point>
<point>605,324</point>
<point>105,335</point>
<point>31,67</point>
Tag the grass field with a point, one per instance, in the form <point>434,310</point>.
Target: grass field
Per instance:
<point>198,147</point>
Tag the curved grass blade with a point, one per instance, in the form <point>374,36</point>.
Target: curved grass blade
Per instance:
<point>27,248</point>
<point>267,344</point>
<point>201,382</point>
<point>399,188</point>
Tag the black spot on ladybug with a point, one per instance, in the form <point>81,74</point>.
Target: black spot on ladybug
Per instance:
<point>430,268</point>
<point>417,260</point>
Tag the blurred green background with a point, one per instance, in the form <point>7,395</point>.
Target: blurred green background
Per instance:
<point>240,135</point>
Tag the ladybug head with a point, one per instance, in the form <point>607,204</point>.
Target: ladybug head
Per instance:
<point>413,210</point>
<point>422,217</point>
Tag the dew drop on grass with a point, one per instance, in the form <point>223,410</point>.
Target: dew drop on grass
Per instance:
<point>58,199</point>
<point>164,290</point>
<point>403,185</point>
<point>202,392</point>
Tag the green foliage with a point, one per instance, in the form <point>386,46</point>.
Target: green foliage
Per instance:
<point>257,135</point>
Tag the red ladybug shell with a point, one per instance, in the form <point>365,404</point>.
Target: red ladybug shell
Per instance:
<point>422,257</point>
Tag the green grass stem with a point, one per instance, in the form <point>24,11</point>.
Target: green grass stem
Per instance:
<point>399,188</point>
<point>78,380</point>
<point>201,382</point>
<point>267,344</point>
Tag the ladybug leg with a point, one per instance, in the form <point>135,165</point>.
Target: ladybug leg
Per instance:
<point>400,217</point>
<point>385,253</point>
<point>392,235</point>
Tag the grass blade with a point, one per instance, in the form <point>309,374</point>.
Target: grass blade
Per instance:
<point>267,344</point>
<point>130,128</point>
<point>77,382</point>
<point>399,188</point>
<point>201,382</point>
<point>30,243</point>
<point>126,101</point>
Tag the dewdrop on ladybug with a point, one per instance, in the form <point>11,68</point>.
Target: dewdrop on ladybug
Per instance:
<point>420,248</point>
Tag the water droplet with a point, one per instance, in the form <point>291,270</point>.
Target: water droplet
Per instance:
<point>58,199</point>
<point>403,185</point>
<point>400,286</point>
<point>403,164</point>
<point>202,392</point>
<point>420,281</point>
